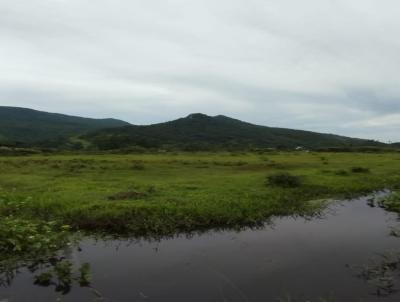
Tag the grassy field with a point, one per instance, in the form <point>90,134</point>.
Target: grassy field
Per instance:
<point>160,194</point>
<point>47,201</point>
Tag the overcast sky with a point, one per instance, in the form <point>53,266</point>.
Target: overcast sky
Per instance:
<point>329,66</point>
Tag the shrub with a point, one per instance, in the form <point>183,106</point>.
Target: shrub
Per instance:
<point>285,180</point>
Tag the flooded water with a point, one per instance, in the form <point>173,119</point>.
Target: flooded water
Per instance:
<point>303,259</point>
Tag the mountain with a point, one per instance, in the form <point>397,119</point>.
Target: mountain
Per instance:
<point>199,131</point>
<point>31,127</point>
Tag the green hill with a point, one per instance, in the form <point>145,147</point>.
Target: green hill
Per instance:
<point>27,127</point>
<point>31,127</point>
<point>199,131</point>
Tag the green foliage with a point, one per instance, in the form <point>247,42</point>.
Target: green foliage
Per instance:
<point>284,180</point>
<point>29,238</point>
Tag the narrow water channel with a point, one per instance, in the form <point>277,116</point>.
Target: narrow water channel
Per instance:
<point>297,258</point>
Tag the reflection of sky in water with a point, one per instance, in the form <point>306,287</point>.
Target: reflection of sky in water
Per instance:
<point>306,259</point>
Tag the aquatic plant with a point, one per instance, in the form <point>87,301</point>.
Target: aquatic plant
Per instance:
<point>85,275</point>
<point>62,276</point>
<point>392,202</point>
<point>382,273</point>
<point>26,237</point>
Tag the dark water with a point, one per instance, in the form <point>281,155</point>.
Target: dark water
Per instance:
<point>296,257</point>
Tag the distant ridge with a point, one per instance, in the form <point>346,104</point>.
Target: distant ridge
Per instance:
<point>198,131</point>
<point>28,126</point>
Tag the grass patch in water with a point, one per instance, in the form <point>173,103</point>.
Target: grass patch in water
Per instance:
<point>62,276</point>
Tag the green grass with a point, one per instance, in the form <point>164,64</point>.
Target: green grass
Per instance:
<point>161,194</point>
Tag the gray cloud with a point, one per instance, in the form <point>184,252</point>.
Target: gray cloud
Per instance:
<point>322,65</point>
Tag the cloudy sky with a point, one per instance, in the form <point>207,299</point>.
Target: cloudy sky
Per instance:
<point>323,65</point>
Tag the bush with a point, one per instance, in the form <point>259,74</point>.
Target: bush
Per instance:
<point>285,180</point>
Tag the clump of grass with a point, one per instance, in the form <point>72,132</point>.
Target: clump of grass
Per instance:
<point>151,189</point>
<point>127,195</point>
<point>84,275</point>
<point>138,166</point>
<point>360,170</point>
<point>285,180</point>
<point>341,172</point>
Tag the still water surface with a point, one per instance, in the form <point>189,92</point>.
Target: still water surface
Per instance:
<point>305,259</point>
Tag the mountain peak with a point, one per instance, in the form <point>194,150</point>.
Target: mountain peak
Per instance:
<point>198,116</point>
